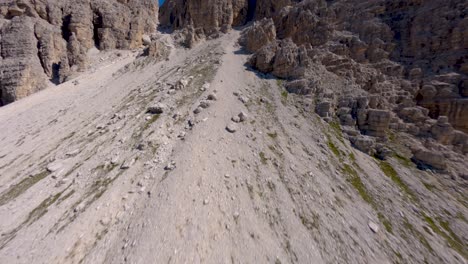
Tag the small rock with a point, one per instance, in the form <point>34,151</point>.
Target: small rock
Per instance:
<point>244,99</point>
<point>205,202</point>
<point>146,40</point>
<point>115,160</point>
<point>231,128</point>
<point>236,119</point>
<point>236,215</point>
<point>226,175</point>
<point>100,126</point>
<point>197,110</point>
<point>373,226</point>
<point>157,109</point>
<point>212,97</point>
<point>141,146</point>
<point>205,87</point>
<point>243,116</point>
<point>79,208</point>
<point>54,166</point>
<point>182,135</point>
<point>73,153</point>
<point>170,166</point>
<point>204,104</point>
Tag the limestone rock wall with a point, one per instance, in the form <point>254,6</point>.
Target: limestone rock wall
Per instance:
<point>49,39</point>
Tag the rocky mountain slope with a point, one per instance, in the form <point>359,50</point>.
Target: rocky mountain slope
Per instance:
<point>250,132</point>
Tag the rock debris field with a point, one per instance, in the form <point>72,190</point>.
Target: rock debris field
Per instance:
<point>199,159</point>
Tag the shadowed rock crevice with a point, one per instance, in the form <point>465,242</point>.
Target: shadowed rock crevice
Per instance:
<point>97,26</point>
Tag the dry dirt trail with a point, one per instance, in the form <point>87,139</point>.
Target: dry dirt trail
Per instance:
<point>89,176</point>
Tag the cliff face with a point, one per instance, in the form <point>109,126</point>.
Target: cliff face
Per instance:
<point>209,16</point>
<point>43,40</point>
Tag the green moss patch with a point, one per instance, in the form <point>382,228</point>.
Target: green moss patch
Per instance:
<point>452,239</point>
<point>263,158</point>
<point>388,170</point>
<point>21,187</point>
<point>357,183</point>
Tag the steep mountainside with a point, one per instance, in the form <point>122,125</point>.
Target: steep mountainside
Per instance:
<point>244,131</point>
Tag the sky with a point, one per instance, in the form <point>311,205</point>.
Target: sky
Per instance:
<point>161,2</point>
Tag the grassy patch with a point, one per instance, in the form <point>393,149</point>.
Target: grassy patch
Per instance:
<point>149,122</point>
<point>284,96</point>
<point>417,234</point>
<point>273,135</point>
<point>386,223</point>
<point>388,170</point>
<point>357,183</point>
<point>461,217</point>
<point>263,158</point>
<point>333,148</point>
<point>21,187</point>
<point>429,186</point>
<point>336,128</point>
<point>452,239</point>
<point>403,160</point>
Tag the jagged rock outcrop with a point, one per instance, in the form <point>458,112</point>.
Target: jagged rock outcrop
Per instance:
<point>204,18</point>
<point>43,40</point>
<point>392,76</point>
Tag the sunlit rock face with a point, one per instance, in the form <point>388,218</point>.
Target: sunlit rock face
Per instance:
<point>49,40</point>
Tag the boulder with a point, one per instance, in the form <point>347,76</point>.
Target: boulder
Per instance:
<point>426,159</point>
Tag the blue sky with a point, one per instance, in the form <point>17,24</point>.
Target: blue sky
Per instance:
<point>161,2</point>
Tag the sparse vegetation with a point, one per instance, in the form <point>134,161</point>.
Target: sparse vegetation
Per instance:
<point>388,170</point>
<point>21,187</point>
<point>387,224</point>
<point>273,135</point>
<point>263,158</point>
<point>417,234</point>
<point>336,128</point>
<point>333,148</point>
<point>357,183</point>
<point>452,239</point>
<point>403,160</point>
<point>429,186</point>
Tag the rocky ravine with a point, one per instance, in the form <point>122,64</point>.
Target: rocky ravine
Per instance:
<point>168,154</point>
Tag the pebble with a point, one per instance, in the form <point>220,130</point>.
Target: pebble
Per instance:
<point>157,109</point>
<point>170,166</point>
<point>236,119</point>
<point>105,221</point>
<point>197,110</point>
<point>204,104</point>
<point>231,128</point>
<point>243,116</point>
<point>212,97</point>
<point>73,153</point>
<point>373,226</point>
<point>54,166</point>
<point>205,202</point>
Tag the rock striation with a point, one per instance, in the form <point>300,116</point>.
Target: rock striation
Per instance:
<point>49,40</point>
